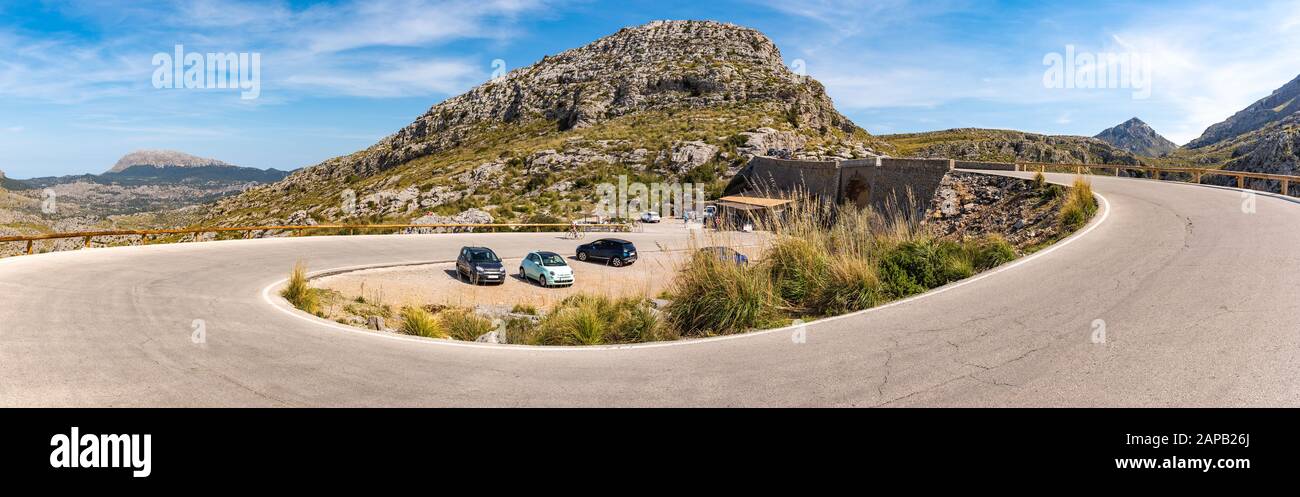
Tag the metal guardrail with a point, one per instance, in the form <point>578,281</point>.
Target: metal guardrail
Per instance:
<point>1197,173</point>
<point>299,229</point>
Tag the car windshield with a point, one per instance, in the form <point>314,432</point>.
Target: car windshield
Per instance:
<point>483,256</point>
<point>552,260</point>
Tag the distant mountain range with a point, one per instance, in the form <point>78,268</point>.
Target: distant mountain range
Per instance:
<point>1137,137</point>
<point>1002,145</point>
<point>11,184</point>
<point>151,180</point>
<point>163,158</point>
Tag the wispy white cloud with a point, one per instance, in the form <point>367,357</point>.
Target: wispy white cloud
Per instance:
<point>354,48</point>
<point>1209,60</point>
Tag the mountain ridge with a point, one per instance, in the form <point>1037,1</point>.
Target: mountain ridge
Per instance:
<point>1004,145</point>
<point>162,158</point>
<point>668,99</point>
<point>1137,137</point>
<point>1277,106</point>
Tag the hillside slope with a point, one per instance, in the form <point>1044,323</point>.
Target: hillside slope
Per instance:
<point>1005,146</point>
<point>1279,105</point>
<point>1263,138</point>
<point>668,100</point>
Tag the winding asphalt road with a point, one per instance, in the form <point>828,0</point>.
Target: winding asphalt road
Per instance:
<point>1199,302</point>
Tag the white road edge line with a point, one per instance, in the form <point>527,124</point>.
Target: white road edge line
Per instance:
<point>281,304</point>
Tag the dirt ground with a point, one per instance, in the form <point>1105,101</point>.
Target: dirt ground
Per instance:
<point>437,283</point>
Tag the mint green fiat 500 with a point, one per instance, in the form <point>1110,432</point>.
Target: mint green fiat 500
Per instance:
<point>546,268</point>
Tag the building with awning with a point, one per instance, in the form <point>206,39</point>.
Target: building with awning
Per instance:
<point>734,211</point>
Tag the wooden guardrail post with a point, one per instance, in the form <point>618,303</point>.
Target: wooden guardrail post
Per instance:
<point>29,247</point>
<point>1241,181</point>
<point>87,244</point>
<point>1286,187</point>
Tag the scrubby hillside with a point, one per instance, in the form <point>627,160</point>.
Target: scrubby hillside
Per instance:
<point>1282,103</point>
<point>668,100</point>
<point>1005,146</point>
<point>1262,138</point>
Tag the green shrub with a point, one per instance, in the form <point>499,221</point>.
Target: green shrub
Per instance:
<point>524,309</point>
<point>915,266</point>
<point>1039,181</point>
<point>419,322</point>
<point>299,291</point>
<point>463,324</point>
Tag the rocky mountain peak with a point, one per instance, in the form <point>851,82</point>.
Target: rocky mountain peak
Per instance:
<point>162,158</point>
<point>1137,137</point>
<point>690,100</point>
<point>1283,102</point>
<point>660,65</point>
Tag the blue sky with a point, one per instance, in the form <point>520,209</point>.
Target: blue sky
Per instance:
<point>76,88</point>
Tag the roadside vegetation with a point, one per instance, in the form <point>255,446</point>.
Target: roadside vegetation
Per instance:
<point>820,260</point>
<point>299,292</point>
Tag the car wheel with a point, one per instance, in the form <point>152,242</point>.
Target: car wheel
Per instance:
<point>616,262</point>
<point>522,274</point>
<point>545,282</point>
<point>582,256</point>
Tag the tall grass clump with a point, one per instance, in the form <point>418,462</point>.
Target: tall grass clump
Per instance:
<point>299,291</point>
<point>716,297</point>
<point>586,319</point>
<point>1079,206</point>
<point>419,322</point>
<point>797,266</point>
<point>463,324</point>
<point>851,284</point>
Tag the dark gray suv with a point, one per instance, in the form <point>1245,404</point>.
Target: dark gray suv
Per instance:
<point>480,265</point>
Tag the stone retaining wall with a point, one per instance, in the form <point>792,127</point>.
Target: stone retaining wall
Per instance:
<point>881,183</point>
